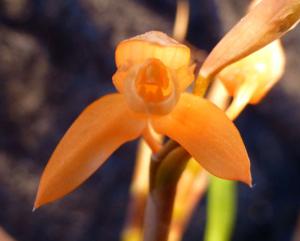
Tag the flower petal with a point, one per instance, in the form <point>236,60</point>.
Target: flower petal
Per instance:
<point>267,21</point>
<point>184,77</point>
<point>208,135</point>
<point>102,127</point>
<point>262,69</point>
<point>240,100</point>
<point>153,44</point>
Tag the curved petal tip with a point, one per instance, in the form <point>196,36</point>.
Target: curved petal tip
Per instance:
<point>101,129</point>
<point>209,136</point>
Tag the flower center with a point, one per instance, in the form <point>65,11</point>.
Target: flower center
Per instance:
<point>153,82</point>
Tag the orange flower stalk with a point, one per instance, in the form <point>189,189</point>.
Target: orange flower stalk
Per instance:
<point>153,70</point>
<point>250,79</point>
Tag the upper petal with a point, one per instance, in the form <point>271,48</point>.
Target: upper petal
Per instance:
<point>99,130</point>
<point>153,44</point>
<point>208,135</point>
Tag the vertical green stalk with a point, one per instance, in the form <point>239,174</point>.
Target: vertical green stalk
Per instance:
<point>221,210</point>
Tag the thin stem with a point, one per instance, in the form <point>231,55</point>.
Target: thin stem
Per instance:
<point>221,210</point>
<point>164,175</point>
<point>181,20</point>
<point>139,189</point>
<point>191,187</point>
<point>151,139</point>
<point>241,99</point>
<point>133,229</point>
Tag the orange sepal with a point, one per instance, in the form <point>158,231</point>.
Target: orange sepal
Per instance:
<point>267,21</point>
<point>100,129</point>
<point>184,77</point>
<point>262,69</point>
<point>152,44</point>
<point>208,135</point>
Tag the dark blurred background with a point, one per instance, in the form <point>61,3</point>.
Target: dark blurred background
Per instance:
<point>58,56</point>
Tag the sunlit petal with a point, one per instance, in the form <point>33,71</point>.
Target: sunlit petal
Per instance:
<point>267,21</point>
<point>152,44</point>
<point>249,79</point>
<point>262,69</point>
<point>184,77</point>
<point>208,135</point>
<point>240,100</point>
<point>94,136</point>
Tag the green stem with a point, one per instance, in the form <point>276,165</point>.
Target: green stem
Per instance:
<point>221,210</point>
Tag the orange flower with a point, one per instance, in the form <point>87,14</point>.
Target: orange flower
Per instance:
<point>250,79</point>
<point>153,71</point>
<point>267,21</point>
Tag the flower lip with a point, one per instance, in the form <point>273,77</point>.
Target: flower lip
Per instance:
<point>149,88</point>
<point>153,82</point>
<point>152,71</point>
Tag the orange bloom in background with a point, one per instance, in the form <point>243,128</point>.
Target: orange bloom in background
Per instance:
<point>251,78</point>
<point>267,21</point>
<point>153,70</point>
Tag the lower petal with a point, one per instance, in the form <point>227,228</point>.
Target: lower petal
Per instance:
<point>208,135</point>
<point>99,130</point>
